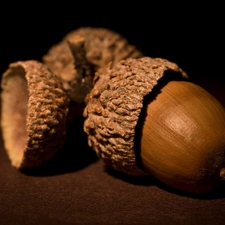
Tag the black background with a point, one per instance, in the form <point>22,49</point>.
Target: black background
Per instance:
<point>190,35</point>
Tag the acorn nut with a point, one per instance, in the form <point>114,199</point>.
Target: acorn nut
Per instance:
<point>144,117</point>
<point>33,114</point>
<point>81,53</point>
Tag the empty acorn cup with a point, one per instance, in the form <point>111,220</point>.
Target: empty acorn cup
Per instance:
<point>144,117</point>
<point>82,53</point>
<point>33,114</point>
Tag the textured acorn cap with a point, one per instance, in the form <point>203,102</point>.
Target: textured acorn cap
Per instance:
<point>33,114</point>
<point>84,51</point>
<point>114,107</point>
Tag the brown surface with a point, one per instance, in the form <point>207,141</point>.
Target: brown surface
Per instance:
<point>77,190</point>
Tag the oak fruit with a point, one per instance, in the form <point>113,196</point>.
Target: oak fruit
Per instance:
<point>183,137</point>
<point>143,117</point>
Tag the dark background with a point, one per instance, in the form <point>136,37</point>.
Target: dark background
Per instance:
<point>187,34</point>
<point>75,188</point>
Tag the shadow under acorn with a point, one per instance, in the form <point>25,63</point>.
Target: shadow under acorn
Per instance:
<point>217,193</point>
<point>75,155</point>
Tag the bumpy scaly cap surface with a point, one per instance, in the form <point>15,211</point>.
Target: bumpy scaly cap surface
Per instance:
<point>34,109</point>
<point>114,106</point>
<point>86,50</point>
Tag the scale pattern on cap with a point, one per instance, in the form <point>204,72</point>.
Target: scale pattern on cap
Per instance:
<point>114,106</point>
<point>46,115</point>
<point>101,45</point>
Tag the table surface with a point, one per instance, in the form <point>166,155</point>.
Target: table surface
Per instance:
<point>75,188</point>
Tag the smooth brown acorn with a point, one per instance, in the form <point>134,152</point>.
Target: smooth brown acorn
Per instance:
<point>143,117</point>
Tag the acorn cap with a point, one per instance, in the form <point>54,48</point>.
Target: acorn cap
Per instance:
<point>33,117</point>
<point>84,51</point>
<point>114,106</point>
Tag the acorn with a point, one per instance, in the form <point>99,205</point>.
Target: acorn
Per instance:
<point>81,53</point>
<point>144,117</point>
<point>34,108</point>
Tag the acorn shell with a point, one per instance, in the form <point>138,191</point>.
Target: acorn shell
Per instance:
<point>114,106</point>
<point>101,46</point>
<point>33,114</point>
